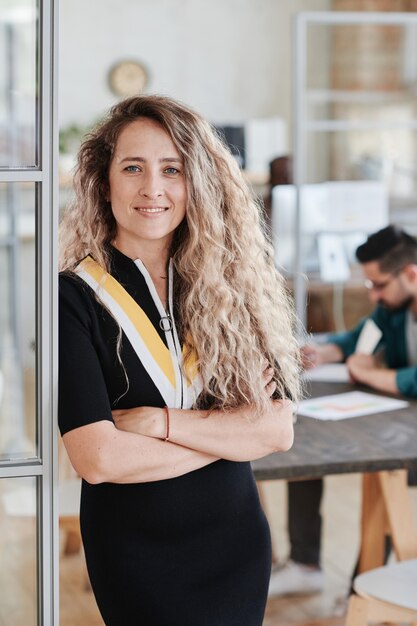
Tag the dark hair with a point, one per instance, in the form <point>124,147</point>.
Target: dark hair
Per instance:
<point>391,246</point>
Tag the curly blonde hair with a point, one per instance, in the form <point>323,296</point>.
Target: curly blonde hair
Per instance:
<point>235,312</point>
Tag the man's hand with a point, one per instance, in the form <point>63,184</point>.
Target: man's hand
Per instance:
<point>359,366</point>
<point>313,354</point>
<point>367,369</point>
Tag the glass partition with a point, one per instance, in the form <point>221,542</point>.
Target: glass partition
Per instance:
<point>28,313</point>
<point>19,83</point>
<point>18,578</point>
<point>17,320</point>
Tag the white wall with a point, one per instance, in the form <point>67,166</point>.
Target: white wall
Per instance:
<point>230,59</point>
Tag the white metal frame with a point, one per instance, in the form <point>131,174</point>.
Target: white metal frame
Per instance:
<point>44,467</point>
<point>302,125</point>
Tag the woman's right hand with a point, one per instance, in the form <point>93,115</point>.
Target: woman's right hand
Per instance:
<point>282,413</point>
<point>270,384</point>
<point>285,408</point>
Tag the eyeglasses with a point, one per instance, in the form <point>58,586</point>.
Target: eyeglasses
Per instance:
<point>370,284</point>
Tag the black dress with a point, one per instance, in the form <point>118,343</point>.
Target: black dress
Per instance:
<point>187,551</point>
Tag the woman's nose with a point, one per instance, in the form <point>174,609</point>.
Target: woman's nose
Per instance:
<point>150,186</point>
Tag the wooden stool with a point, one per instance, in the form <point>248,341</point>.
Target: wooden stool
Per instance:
<point>386,594</point>
<point>386,509</point>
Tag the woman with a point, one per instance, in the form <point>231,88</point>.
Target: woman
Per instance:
<point>169,298</point>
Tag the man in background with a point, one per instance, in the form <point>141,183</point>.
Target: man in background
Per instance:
<point>389,264</point>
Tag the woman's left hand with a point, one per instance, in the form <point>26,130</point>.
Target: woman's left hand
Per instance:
<point>142,420</point>
<point>270,384</point>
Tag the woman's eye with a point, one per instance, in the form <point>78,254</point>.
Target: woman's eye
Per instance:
<point>172,170</point>
<point>132,168</point>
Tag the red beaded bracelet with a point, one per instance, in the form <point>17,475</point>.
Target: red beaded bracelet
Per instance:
<point>166,438</point>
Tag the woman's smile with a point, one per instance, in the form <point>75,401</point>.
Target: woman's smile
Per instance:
<point>151,211</point>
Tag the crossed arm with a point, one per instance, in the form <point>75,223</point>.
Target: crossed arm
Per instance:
<point>99,452</point>
<point>232,435</point>
<point>132,448</point>
<point>129,449</point>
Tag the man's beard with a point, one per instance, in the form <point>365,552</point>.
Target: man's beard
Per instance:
<point>397,307</point>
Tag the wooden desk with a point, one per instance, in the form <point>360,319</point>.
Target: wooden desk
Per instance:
<point>382,447</point>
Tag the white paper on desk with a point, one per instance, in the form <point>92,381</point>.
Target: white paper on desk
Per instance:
<point>345,405</point>
<point>369,338</point>
<point>328,373</point>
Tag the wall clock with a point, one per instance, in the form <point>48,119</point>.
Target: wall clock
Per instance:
<point>127,78</point>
